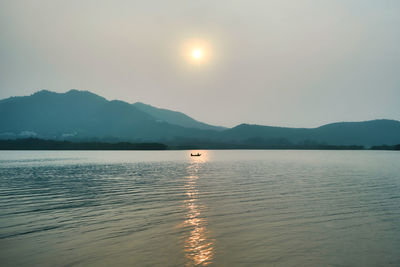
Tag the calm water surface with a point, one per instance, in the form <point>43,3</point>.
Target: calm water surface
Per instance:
<point>224,208</point>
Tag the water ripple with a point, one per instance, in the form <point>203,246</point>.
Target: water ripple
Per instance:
<point>225,208</point>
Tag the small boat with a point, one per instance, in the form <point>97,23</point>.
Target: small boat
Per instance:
<point>195,155</point>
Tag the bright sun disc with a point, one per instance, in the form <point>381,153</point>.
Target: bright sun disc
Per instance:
<point>197,53</point>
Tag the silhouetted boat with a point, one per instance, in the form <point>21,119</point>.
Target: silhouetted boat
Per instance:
<point>195,155</point>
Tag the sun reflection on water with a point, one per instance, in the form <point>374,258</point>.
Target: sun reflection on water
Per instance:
<point>199,248</point>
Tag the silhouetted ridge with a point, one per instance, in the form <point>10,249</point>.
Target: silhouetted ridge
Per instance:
<point>367,133</point>
<point>44,92</point>
<point>82,115</point>
<point>175,117</point>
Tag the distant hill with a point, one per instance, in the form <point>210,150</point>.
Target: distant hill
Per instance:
<point>367,133</point>
<point>175,117</point>
<point>82,115</point>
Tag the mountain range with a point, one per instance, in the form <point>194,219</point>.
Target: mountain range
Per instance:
<point>82,115</point>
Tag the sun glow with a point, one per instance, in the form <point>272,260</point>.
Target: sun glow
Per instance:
<point>196,51</point>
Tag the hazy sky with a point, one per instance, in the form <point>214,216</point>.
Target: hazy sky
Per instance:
<point>289,63</point>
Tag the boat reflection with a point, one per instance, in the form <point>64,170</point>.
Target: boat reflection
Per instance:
<point>199,248</point>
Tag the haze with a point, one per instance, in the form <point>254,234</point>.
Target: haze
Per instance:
<point>289,63</point>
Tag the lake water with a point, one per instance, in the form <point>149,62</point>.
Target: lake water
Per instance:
<point>224,208</point>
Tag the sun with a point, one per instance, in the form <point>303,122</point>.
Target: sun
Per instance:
<point>197,54</point>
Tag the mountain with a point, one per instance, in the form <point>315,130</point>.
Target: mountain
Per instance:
<point>367,133</point>
<point>82,115</point>
<point>175,117</point>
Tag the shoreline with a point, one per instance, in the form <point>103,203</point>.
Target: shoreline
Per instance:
<point>64,145</point>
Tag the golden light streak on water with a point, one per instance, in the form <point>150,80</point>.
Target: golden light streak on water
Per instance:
<point>199,248</point>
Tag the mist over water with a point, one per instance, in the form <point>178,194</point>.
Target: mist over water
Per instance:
<point>224,208</point>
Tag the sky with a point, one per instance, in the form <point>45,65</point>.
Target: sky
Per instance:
<point>299,63</point>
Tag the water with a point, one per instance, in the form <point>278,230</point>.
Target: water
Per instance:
<point>225,208</point>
